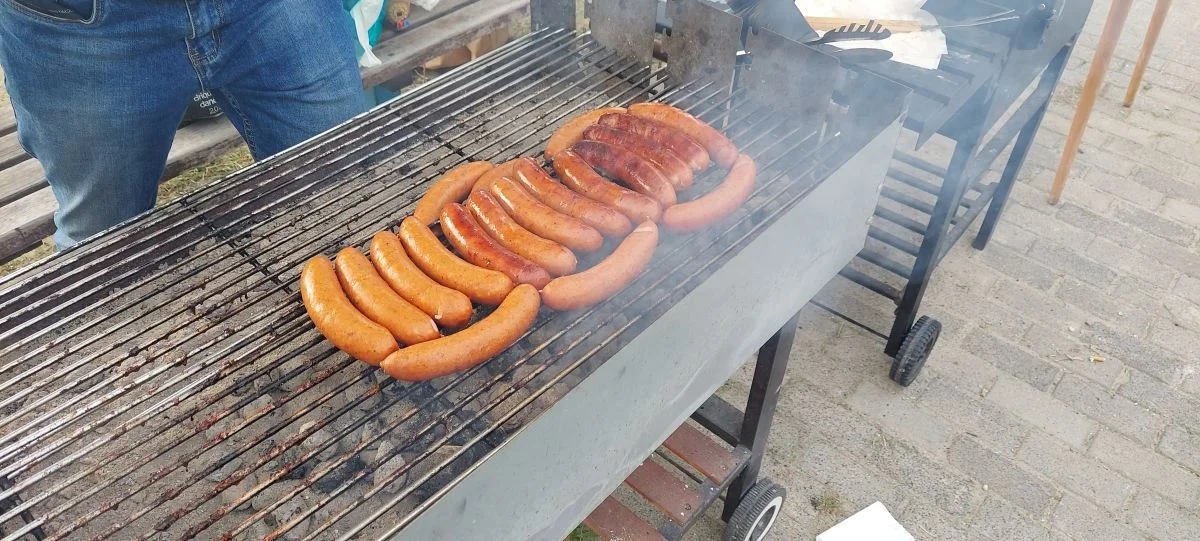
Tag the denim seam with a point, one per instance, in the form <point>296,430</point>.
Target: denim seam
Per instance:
<point>249,131</point>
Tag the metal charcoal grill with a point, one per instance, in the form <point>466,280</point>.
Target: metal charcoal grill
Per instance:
<point>162,381</point>
<point>987,98</point>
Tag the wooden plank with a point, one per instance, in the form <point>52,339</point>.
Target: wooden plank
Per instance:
<point>615,522</point>
<point>21,180</point>
<point>11,152</point>
<point>440,36</point>
<point>8,121</point>
<point>666,492</point>
<point>26,222</point>
<point>701,452</point>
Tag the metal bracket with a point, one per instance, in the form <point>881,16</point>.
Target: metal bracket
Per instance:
<point>625,26</point>
<point>553,14</point>
<point>704,42</point>
<point>789,76</point>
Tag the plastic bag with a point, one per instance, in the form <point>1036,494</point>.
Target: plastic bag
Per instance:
<point>365,15</point>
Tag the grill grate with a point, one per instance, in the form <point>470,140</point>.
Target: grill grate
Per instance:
<point>163,380</point>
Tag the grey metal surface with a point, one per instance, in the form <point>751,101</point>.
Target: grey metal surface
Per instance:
<point>558,468</point>
<point>625,26</point>
<point>704,41</point>
<point>553,14</point>
<point>789,76</point>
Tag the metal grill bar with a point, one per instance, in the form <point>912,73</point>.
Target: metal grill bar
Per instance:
<point>344,131</point>
<point>559,349</point>
<point>65,371</point>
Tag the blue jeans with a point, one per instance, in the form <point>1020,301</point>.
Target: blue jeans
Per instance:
<point>100,86</point>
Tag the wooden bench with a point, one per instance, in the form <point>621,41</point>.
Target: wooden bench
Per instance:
<point>27,205</point>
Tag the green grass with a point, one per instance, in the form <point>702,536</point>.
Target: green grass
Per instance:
<point>582,533</point>
<point>828,503</point>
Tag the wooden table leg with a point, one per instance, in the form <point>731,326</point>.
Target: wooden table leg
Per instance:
<point>1156,24</point>
<point>1117,13</point>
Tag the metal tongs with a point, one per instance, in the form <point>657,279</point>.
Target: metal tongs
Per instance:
<point>1007,15</point>
<point>839,25</point>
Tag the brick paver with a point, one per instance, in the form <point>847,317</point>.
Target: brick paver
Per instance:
<point>1063,401</point>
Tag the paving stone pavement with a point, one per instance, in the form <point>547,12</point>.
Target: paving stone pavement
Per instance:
<point>1013,431</point>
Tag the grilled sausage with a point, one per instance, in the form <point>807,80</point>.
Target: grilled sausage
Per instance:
<point>719,147</point>
<point>607,220</point>
<point>550,255</point>
<point>471,346</point>
<point>676,141</point>
<point>506,169</point>
<point>717,204</point>
<point>482,285</point>
<point>447,307</point>
<point>544,221</point>
<point>577,175</point>
<point>570,133</point>
<point>629,168</point>
<point>470,240</point>
<point>678,173</point>
<point>452,187</point>
<point>337,319</point>
<point>607,277</point>
<point>376,299</point>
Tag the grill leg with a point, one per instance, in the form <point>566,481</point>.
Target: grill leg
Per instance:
<point>1016,160</point>
<point>760,409</point>
<point>946,207</point>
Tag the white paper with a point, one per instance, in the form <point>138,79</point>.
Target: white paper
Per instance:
<point>874,523</point>
<point>365,14</point>
<point>426,5</point>
<point>921,49</point>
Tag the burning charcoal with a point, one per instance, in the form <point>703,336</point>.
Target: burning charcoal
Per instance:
<point>285,511</point>
<point>369,432</point>
<point>392,462</point>
<point>225,471</point>
<point>424,467</point>
<point>318,438</point>
<point>515,422</point>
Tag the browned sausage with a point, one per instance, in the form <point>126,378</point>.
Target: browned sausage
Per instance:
<point>607,277</point>
<point>577,175</point>
<point>452,187</point>
<point>676,141</point>
<point>683,146</point>
<point>337,319</point>
<point>717,204</point>
<point>447,307</point>
<point>607,220</point>
<point>548,254</point>
<point>719,147</point>
<point>544,221</point>
<point>474,244</point>
<point>570,132</point>
<point>471,346</point>
<point>677,172</point>
<point>629,168</point>
<point>482,285</point>
<point>506,169</point>
<point>376,299</point>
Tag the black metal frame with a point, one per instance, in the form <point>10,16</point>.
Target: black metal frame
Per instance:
<point>746,431</point>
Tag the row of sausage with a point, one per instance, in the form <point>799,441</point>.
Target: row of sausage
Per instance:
<point>517,232</point>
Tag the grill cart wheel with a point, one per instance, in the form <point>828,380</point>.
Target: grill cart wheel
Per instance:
<point>756,514</point>
<point>915,350</point>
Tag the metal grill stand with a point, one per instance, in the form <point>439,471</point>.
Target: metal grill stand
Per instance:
<point>163,380</point>
<point>979,89</point>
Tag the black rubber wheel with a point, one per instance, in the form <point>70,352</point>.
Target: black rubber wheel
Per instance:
<point>756,514</point>
<point>915,350</point>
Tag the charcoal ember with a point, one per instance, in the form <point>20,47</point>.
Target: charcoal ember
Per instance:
<point>222,473</point>
<point>391,462</point>
<point>429,464</point>
<point>509,404</point>
<point>370,434</point>
<point>321,436</point>
<point>283,511</point>
<point>261,406</point>
<point>340,474</point>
